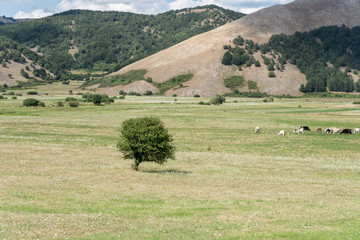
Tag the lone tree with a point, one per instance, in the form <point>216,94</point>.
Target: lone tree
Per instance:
<point>145,139</point>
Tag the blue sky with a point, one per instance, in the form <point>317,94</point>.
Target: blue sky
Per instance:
<point>42,8</point>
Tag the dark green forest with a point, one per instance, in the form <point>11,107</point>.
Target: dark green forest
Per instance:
<point>321,54</point>
<point>108,41</point>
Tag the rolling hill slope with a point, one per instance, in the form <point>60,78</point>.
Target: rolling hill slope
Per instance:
<point>202,54</point>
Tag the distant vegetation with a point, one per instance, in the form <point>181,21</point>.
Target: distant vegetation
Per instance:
<point>107,41</point>
<point>326,56</point>
<point>175,82</point>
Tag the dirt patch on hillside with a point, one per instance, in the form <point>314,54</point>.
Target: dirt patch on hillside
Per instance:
<point>10,74</point>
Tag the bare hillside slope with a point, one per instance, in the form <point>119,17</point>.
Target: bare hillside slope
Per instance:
<point>202,54</point>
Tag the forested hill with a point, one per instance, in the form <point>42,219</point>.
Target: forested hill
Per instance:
<point>329,57</point>
<point>107,41</point>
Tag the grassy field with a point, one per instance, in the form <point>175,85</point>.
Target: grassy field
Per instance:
<point>61,176</point>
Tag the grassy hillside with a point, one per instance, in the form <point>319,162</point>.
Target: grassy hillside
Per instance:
<point>63,177</point>
<point>107,41</point>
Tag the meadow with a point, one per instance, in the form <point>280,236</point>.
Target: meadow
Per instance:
<point>62,177</point>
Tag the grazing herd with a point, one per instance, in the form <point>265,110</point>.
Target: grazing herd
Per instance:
<point>330,130</point>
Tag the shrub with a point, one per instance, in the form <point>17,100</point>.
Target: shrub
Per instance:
<point>121,92</point>
<point>357,102</point>
<point>73,103</point>
<point>149,80</point>
<point>31,102</point>
<point>70,92</point>
<point>32,93</point>
<point>174,95</point>
<point>14,97</point>
<point>1,97</point>
<point>271,74</point>
<point>97,99</point>
<point>257,64</point>
<point>145,139</point>
<point>122,97</point>
<point>11,93</point>
<point>217,100</point>
<point>59,104</point>
<point>252,85</point>
<point>197,95</point>
<point>70,99</point>
<point>234,81</point>
<point>134,93</point>
<point>148,93</point>
<point>269,99</point>
<point>41,104</point>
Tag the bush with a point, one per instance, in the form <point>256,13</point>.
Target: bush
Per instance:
<point>31,102</point>
<point>148,93</point>
<point>41,104</point>
<point>234,81</point>
<point>1,97</point>
<point>174,95</point>
<point>122,97</point>
<point>14,97</point>
<point>145,140</point>
<point>70,99</point>
<point>271,74</point>
<point>73,103</point>
<point>121,92</point>
<point>97,99</point>
<point>217,100</point>
<point>197,95</point>
<point>32,93</point>
<point>252,85</point>
<point>59,104</point>
<point>357,102</point>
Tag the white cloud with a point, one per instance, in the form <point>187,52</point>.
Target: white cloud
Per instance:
<point>249,10</point>
<point>144,6</point>
<point>34,14</point>
<point>149,6</point>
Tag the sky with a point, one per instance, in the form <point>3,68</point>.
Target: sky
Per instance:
<point>43,8</point>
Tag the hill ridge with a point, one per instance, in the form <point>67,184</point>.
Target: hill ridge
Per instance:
<point>201,55</point>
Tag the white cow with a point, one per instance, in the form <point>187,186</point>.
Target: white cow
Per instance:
<point>282,133</point>
<point>299,130</point>
<point>356,130</point>
<point>257,129</point>
<point>333,130</point>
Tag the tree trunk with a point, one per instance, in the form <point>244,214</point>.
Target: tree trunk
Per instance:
<point>136,166</point>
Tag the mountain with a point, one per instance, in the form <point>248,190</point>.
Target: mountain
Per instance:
<point>201,55</point>
<point>106,41</point>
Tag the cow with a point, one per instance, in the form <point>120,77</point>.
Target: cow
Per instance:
<point>346,131</point>
<point>319,130</point>
<point>356,130</point>
<point>257,129</point>
<point>299,130</point>
<point>306,128</point>
<point>333,130</point>
<point>282,133</point>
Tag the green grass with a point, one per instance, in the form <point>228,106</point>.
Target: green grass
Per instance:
<point>62,176</point>
<point>234,82</point>
<point>175,82</point>
<point>125,79</point>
